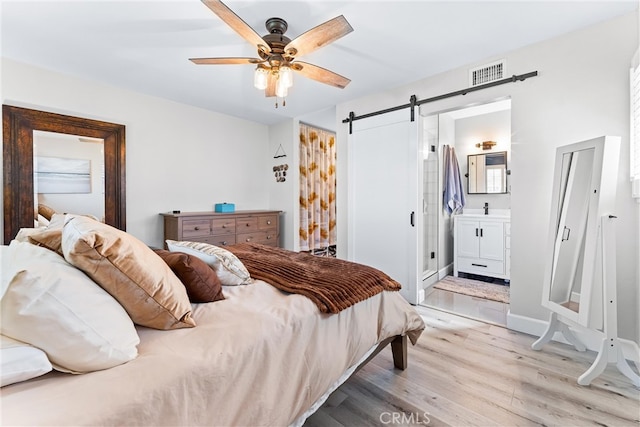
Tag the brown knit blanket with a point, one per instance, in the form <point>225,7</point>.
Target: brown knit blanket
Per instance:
<point>332,284</point>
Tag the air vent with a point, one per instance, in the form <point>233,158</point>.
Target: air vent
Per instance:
<point>487,73</point>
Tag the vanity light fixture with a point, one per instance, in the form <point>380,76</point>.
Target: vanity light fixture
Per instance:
<point>486,145</point>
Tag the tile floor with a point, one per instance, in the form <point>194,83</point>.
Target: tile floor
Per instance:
<point>467,306</point>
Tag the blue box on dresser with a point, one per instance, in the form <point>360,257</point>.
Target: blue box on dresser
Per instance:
<point>225,207</point>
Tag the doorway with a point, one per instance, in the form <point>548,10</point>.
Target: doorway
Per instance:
<point>476,296</point>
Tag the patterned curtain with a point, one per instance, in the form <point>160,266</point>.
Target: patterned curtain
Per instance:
<point>317,188</point>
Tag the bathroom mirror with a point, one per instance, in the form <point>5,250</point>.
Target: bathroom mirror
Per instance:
<point>19,125</point>
<point>584,189</point>
<point>487,173</point>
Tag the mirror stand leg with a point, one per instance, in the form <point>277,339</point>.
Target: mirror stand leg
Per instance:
<point>610,352</point>
<point>571,338</point>
<point>554,326</point>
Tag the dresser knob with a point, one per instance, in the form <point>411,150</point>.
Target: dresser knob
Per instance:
<point>224,225</point>
<point>268,237</point>
<point>268,222</point>
<point>248,239</point>
<point>224,243</point>
<point>196,228</point>
<point>248,225</point>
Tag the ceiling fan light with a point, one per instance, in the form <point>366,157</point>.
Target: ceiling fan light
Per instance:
<point>260,78</point>
<point>286,75</point>
<point>281,88</point>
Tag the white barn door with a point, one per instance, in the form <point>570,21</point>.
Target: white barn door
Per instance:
<point>384,220</point>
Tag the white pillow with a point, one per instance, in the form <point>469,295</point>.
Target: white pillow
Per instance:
<point>24,233</point>
<point>230,270</point>
<point>54,306</point>
<point>42,221</point>
<point>20,361</point>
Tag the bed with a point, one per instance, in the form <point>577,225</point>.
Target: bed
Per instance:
<point>260,356</point>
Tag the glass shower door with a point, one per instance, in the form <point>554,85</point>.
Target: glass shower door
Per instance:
<point>430,197</point>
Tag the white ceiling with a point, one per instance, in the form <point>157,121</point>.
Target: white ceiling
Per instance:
<point>145,45</point>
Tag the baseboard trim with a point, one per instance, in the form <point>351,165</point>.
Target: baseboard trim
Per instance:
<point>591,339</point>
<point>445,271</point>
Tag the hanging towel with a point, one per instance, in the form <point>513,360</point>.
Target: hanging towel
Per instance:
<point>453,190</point>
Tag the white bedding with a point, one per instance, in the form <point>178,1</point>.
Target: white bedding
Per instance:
<point>260,357</point>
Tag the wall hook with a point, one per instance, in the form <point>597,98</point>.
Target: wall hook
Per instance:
<point>279,152</point>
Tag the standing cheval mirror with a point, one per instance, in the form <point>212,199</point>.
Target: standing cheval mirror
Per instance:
<point>580,278</point>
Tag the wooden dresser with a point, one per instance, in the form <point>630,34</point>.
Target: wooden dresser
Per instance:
<point>222,229</point>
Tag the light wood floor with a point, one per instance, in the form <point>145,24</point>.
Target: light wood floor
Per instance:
<point>468,373</point>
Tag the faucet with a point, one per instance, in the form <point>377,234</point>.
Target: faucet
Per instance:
<point>486,208</point>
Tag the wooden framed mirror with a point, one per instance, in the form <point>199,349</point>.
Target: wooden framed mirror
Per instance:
<point>18,126</point>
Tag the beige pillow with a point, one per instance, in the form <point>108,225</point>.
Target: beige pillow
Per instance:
<point>58,309</point>
<point>230,270</point>
<point>130,271</point>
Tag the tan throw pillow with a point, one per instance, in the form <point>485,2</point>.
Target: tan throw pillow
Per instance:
<point>51,236</point>
<point>130,271</point>
<point>230,270</point>
<point>45,211</point>
<point>50,239</point>
<point>198,278</point>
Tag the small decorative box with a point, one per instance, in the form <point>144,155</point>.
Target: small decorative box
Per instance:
<point>225,207</point>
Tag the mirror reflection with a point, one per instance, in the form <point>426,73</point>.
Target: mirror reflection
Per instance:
<point>573,209</point>
<point>68,175</point>
<point>487,173</point>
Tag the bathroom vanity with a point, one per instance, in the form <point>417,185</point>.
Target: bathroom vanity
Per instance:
<point>482,244</point>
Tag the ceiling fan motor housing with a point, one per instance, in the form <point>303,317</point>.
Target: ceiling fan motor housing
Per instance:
<point>276,25</point>
<point>277,42</point>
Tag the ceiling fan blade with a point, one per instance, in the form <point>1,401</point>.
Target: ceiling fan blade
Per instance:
<point>217,61</point>
<point>319,36</point>
<point>236,23</point>
<point>320,74</point>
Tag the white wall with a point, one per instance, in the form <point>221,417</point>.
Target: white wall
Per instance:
<point>284,195</point>
<point>177,156</point>
<point>581,92</point>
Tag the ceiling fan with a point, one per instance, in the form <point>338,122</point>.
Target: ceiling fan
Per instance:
<point>277,53</point>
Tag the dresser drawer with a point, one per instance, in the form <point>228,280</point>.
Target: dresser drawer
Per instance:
<point>246,225</point>
<point>261,237</point>
<point>223,226</point>
<point>268,222</point>
<point>480,266</point>
<point>196,228</point>
<point>221,240</point>
<point>255,237</point>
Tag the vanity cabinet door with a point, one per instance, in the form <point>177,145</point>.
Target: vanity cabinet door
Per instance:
<point>491,240</point>
<point>468,239</point>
